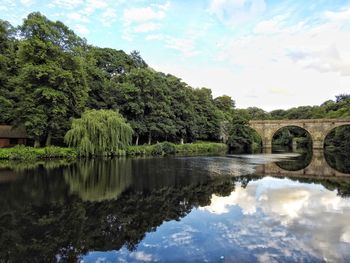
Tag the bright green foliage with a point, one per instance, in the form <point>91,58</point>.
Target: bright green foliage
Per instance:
<point>99,132</point>
<point>170,148</point>
<point>241,137</point>
<point>21,152</point>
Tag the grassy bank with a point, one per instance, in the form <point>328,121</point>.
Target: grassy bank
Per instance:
<point>166,148</point>
<point>29,153</point>
<point>159,149</point>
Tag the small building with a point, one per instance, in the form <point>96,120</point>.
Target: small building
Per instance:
<point>12,136</point>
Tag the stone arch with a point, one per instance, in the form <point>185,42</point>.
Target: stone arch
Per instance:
<point>334,126</point>
<point>302,127</point>
<point>262,133</point>
<point>317,128</point>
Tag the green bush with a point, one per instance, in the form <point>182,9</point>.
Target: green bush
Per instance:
<point>170,148</point>
<point>21,152</point>
<point>158,149</point>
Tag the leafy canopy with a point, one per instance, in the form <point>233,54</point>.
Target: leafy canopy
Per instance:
<point>99,132</point>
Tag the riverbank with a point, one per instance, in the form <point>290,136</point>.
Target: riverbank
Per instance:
<point>159,149</point>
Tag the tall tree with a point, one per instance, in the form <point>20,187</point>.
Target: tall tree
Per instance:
<point>7,70</point>
<point>208,117</point>
<point>51,84</point>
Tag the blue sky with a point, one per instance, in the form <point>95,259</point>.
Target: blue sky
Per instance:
<point>265,53</point>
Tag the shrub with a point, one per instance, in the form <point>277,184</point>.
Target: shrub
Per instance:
<point>168,148</point>
<point>158,149</point>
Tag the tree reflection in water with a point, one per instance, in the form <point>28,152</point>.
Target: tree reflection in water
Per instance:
<point>52,213</point>
<point>45,216</point>
<point>338,160</point>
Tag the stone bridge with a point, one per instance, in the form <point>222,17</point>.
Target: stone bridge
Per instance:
<point>317,128</point>
<point>318,167</point>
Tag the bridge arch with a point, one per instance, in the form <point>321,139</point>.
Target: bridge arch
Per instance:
<point>306,132</point>
<point>317,128</point>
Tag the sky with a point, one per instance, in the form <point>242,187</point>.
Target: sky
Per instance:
<point>263,53</point>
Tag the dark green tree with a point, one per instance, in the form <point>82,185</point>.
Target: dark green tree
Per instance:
<point>50,85</point>
<point>8,67</point>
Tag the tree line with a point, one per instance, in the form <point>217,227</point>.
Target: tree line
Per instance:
<point>50,76</point>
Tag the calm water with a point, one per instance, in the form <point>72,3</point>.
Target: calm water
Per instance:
<point>234,208</point>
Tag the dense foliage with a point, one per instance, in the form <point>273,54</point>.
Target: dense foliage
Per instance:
<point>99,132</point>
<point>49,75</point>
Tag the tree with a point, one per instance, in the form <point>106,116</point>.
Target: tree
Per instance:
<point>51,84</point>
<point>138,61</point>
<point>224,103</point>
<point>99,132</point>
<point>143,98</point>
<point>208,116</point>
<point>104,68</point>
<point>7,70</point>
<point>342,97</point>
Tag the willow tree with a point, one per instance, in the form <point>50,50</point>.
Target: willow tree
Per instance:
<point>99,132</point>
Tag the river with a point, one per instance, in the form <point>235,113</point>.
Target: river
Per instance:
<point>232,208</point>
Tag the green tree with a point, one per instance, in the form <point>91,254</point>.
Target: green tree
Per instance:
<point>99,132</point>
<point>51,84</point>
<point>104,68</point>
<point>208,117</point>
<point>7,70</point>
<point>224,103</point>
<point>144,99</point>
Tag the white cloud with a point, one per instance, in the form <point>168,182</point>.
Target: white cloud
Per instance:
<point>142,15</point>
<point>109,16</point>
<point>142,256</point>
<point>154,37</point>
<point>236,12</point>
<point>143,19</point>
<point>27,2</point>
<point>271,26</point>
<point>243,198</point>
<point>77,17</point>
<point>146,27</point>
<point>325,60</point>
<point>92,5</point>
<point>186,46</point>
<point>82,29</point>
<point>342,15</point>
<point>68,4</point>
<point>297,58</point>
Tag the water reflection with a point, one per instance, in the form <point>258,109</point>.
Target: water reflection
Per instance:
<point>170,209</point>
<point>297,163</point>
<point>97,180</point>
<point>52,213</point>
<point>310,161</point>
<point>286,220</point>
<point>339,160</point>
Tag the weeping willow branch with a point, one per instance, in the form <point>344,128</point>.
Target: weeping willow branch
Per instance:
<point>99,132</point>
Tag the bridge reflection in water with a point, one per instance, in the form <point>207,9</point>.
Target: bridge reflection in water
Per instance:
<point>315,166</point>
